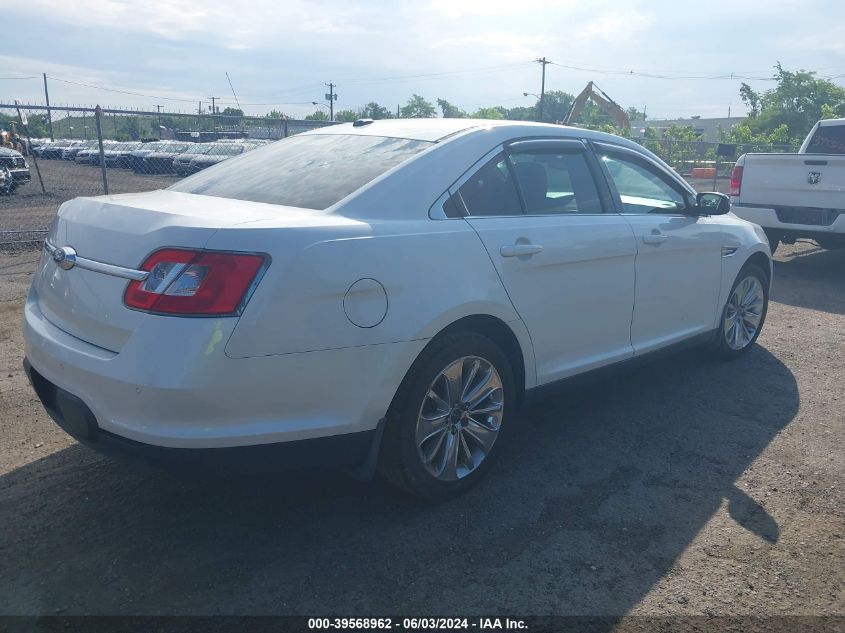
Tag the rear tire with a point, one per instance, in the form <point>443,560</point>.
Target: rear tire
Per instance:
<point>744,313</point>
<point>443,433</point>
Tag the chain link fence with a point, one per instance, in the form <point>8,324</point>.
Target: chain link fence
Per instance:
<point>49,156</point>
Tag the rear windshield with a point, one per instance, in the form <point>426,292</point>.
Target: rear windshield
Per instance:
<point>310,171</point>
<point>828,139</point>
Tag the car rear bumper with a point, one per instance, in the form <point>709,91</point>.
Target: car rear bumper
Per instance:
<point>76,418</point>
<point>173,386</point>
<point>772,218</point>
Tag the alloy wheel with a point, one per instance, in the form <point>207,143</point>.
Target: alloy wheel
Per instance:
<point>460,418</point>
<point>744,313</point>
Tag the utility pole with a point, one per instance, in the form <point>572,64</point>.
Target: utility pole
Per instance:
<point>199,108</point>
<point>398,115</point>
<point>158,109</point>
<point>49,112</point>
<point>213,107</point>
<point>331,97</point>
<point>543,62</point>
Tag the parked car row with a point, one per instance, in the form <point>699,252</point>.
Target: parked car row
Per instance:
<point>155,157</point>
<point>14,170</point>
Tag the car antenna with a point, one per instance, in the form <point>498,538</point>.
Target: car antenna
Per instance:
<point>233,93</point>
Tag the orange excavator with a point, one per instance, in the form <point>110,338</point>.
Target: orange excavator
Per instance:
<point>595,94</point>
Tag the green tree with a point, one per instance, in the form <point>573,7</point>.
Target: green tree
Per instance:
<point>556,105</point>
<point>317,115</point>
<point>521,113</point>
<point>232,112</point>
<point>374,111</point>
<point>450,111</point>
<point>346,116</point>
<point>635,115</point>
<point>418,108</point>
<point>681,133</point>
<point>798,100</point>
<point>492,112</point>
<point>276,114</point>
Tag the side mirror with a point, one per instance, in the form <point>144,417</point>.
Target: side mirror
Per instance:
<point>712,203</point>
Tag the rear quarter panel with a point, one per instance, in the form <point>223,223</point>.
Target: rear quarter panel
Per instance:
<point>433,273</point>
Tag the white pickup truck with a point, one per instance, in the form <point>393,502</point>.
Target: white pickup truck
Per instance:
<point>796,195</point>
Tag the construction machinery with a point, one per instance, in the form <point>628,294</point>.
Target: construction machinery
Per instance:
<point>10,138</point>
<point>595,94</point>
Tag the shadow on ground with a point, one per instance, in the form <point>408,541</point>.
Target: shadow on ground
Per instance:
<point>811,277</point>
<point>602,488</point>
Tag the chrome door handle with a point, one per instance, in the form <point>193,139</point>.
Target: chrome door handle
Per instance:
<point>520,250</point>
<point>657,239</point>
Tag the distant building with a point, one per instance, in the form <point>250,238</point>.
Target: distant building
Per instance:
<point>708,128</point>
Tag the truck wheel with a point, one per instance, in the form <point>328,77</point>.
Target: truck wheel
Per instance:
<point>774,240</point>
<point>449,418</point>
<point>744,313</point>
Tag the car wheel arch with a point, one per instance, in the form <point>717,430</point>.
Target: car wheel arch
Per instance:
<point>759,258</point>
<point>499,332</point>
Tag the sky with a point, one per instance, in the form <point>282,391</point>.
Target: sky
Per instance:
<point>661,55</point>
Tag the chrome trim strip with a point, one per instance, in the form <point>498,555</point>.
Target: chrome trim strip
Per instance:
<point>102,267</point>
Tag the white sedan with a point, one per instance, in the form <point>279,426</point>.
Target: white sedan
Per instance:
<point>380,294</point>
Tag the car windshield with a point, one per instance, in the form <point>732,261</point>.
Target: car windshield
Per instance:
<point>198,148</point>
<point>226,149</point>
<point>312,171</point>
<point>174,148</point>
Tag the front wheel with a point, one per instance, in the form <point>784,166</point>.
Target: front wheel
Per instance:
<point>744,314</point>
<point>449,418</point>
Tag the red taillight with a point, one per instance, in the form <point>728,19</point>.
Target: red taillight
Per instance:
<point>194,283</point>
<point>736,180</point>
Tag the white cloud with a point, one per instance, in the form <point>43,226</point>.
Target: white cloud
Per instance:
<point>285,50</point>
<point>457,9</point>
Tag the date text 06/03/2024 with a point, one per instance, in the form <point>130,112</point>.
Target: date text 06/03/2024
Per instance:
<point>415,624</point>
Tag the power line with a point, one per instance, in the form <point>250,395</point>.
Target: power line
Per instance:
<point>125,92</point>
<point>425,76</point>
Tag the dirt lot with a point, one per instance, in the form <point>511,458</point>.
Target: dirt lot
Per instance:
<point>686,487</point>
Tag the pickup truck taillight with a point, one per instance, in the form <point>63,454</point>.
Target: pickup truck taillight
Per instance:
<point>195,283</point>
<point>736,180</point>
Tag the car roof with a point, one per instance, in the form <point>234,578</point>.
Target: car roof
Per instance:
<point>435,130</point>
<point>828,122</point>
<point>417,129</point>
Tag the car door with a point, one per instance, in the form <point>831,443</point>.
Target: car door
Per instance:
<point>540,208</point>
<point>679,254</point>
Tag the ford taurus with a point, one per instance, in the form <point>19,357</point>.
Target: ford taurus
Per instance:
<point>380,294</point>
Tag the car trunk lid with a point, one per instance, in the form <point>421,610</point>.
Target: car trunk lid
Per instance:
<point>123,231</point>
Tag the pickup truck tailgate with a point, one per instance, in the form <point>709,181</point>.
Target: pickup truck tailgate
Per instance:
<point>794,180</point>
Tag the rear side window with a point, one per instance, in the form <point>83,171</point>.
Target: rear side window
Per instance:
<point>308,171</point>
<point>491,190</point>
<point>554,182</point>
<point>828,139</point>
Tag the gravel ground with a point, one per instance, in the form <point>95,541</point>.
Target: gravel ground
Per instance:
<point>685,487</point>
